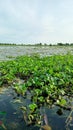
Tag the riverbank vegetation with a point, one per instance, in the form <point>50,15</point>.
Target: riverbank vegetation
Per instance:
<point>49,80</point>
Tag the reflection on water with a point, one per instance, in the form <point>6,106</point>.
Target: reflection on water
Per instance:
<point>12,118</point>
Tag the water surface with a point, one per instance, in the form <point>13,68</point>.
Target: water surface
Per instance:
<point>12,116</point>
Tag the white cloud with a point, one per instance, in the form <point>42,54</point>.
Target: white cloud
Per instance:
<point>36,20</point>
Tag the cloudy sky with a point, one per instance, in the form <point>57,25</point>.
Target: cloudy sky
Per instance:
<point>35,21</point>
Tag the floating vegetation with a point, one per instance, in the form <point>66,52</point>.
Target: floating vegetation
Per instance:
<point>49,81</point>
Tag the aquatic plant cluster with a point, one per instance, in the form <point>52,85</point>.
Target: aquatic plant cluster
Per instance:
<point>49,80</point>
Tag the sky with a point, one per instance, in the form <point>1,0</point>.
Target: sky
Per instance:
<point>36,21</point>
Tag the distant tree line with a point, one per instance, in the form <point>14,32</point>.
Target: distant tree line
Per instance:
<point>64,44</point>
<point>38,44</point>
<point>7,44</point>
<point>58,44</point>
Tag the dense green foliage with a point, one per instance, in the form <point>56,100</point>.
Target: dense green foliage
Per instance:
<point>46,76</point>
<point>48,79</point>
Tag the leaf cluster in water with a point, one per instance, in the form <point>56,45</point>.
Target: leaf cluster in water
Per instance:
<point>48,79</point>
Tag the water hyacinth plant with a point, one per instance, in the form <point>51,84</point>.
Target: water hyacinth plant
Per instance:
<point>48,79</point>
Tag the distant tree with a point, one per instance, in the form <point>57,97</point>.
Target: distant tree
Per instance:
<point>60,44</point>
<point>66,44</point>
<point>40,44</point>
<point>50,44</point>
<point>45,44</point>
<point>71,43</point>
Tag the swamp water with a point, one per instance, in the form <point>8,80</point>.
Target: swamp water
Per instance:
<point>10,52</point>
<point>11,116</point>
